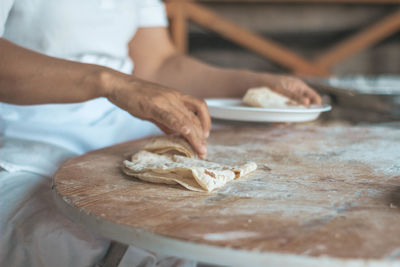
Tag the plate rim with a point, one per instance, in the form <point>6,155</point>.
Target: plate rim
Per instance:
<point>319,109</point>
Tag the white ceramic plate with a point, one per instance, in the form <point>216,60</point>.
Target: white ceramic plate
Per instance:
<point>234,109</point>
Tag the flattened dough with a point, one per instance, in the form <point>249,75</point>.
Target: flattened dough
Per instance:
<point>171,144</point>
<point>263,97</point>
<point>171,160</point>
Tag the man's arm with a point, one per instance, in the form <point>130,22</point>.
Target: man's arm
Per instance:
<point>157,60</point>
<point>27,77</point>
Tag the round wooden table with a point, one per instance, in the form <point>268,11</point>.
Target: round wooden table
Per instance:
<point>322,196</point>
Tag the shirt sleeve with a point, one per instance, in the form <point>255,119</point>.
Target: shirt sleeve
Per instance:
<point>152,14</point>
<point>5,7</point>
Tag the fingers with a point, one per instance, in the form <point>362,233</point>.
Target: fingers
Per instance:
<point>199,107</point>
<point>168,109</point>
<point>313,96</point>
<point>287,86</point>
<point>308,93</point>
<point>300,97</point>
<point>299,91</point>
<point>196,137</point>
<point>181,120</point>
<point>294,93</point>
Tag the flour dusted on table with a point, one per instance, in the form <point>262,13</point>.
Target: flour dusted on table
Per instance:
<point>171,160</point>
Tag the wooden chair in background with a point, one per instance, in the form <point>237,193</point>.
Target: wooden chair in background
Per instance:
<point>180,11</point>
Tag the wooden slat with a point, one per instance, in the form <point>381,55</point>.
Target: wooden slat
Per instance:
<point>360,41</point>
<point>114,255</point>
<point>265,47</point>
<point>177,13</point>
<point>180,10</point>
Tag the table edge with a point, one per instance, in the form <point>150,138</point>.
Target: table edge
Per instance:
<point>200,252</point>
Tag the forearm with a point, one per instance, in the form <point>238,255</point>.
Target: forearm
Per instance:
<point>202,80</point>
<point>27,77</point>
<point>157,60</point>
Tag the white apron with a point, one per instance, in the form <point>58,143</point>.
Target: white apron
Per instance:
<point>35,140</point>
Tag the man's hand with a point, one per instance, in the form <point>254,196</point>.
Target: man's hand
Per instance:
<point>170,110</point>
<point>38,79</point>
<point>291,87</point>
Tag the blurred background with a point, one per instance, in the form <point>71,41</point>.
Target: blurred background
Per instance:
<point>307,29</point>
<point>348,50</point>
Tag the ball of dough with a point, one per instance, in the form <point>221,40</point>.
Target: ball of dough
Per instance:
<point>263,97</point>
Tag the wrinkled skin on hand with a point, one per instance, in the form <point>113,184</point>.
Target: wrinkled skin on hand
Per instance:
<point>170,110</point>
<point>291,87</point>
<point>174,112</point>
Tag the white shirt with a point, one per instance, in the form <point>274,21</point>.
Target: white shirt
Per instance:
<point>91,31</point>
<point>94,31</point>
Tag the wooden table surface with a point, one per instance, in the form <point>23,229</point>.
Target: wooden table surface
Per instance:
<point>322,194</point>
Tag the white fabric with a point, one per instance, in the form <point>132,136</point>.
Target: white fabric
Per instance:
<point>77,127</point>
<point>5,6</point>
<point>90,31</point>
<point>35,157</point>
<point>72,28</point>
<point>36,139</point>
<point>34,232</point>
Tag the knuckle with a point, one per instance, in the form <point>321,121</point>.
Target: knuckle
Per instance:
<point>173,94</point>
<point>162,115</point>
<point>159,98</point>
<point>202,104</point>
<point>163,95</point>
